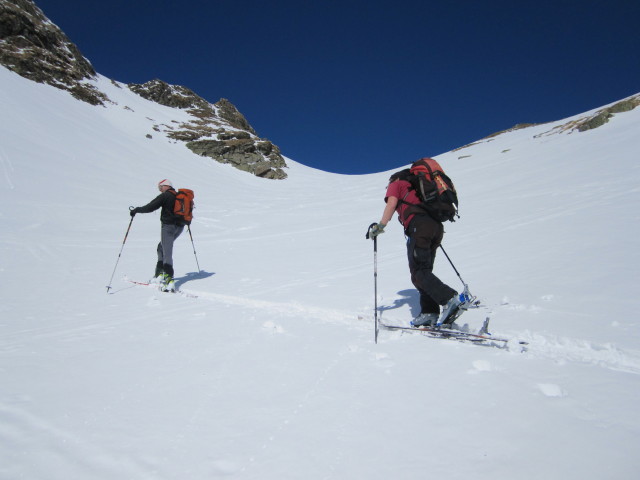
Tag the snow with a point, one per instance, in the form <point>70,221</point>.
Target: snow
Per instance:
<point>272,371</point>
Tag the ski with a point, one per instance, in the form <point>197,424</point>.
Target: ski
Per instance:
<point>157,286</point>
<point>466,337</point>
<point>442,332</point>
<point>146,284</point>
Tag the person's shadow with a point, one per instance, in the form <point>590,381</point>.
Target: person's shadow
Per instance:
<point>407,297</point>
<point>192,276</point>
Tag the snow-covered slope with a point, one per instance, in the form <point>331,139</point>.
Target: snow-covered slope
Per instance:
<point>272,371</point>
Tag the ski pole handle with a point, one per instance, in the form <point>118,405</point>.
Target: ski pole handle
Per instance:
<point>368,235</point>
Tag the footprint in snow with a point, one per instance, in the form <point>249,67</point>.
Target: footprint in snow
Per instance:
<point>384,360</point>
<point>480,366</point>
<point>272,327</point>
<point>551,390</point>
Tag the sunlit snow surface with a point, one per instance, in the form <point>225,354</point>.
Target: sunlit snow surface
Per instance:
<point>272,371</point>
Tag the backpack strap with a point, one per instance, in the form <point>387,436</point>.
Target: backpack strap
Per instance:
<point>412,208</point>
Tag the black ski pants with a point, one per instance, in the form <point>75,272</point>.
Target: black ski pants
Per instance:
<point>424,236</point>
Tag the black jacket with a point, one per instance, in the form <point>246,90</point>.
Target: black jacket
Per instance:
<point>166,200</point>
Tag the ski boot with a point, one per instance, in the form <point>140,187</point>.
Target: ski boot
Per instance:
<point>158,276</point>
<point>425,320</point>
<point>456,306</point>
<point>168,284</point>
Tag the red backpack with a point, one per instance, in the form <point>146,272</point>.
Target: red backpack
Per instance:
<point>183,208</point>
<point>434,188</point>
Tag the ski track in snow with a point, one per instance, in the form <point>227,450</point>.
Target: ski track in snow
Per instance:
<point>559,349</point>
<point>288,309</point>
<point>7,167</point>
<point>299,408</point>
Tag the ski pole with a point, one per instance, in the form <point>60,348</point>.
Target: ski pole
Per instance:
<point>375,280</point>
<point>469,300</point>
<point>454,267</point>
<point>194,247</point>
<point>121,248</point>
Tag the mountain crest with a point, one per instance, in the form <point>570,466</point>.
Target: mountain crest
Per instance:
<point>35,48</point>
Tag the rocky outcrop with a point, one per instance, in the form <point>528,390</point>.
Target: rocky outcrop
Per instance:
<point>35,48</point>
<point>218,131</point>
<point>227,111</point>
<point>261,157</point>
<point>603,116</point>
<point>173,96</point>
<point>597,119</point>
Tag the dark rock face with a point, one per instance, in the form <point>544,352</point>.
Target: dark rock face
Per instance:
<point>227,111</point>
<point>35,48</point>
<point>218,131</point>
<point>262,158</point>
<point>173,96</point>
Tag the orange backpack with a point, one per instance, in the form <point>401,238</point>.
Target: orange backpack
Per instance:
<point>183,208</point>
<point>435,190</point>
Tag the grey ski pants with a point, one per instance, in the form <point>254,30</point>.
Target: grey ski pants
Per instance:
<point>168,235</point>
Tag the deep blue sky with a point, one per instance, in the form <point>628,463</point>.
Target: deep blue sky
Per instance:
<point>365,86</point>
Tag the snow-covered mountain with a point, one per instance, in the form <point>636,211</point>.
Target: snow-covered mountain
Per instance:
<point>272,371</point>
<point>35,48</point>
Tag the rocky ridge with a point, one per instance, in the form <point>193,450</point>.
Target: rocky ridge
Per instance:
<point>218,130</point>
<point>602,116</point>
<point>35,48</point>
<point>582,124</point>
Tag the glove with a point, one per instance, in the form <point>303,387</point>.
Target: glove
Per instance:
<point>377,229</point>
<point>133,212</point>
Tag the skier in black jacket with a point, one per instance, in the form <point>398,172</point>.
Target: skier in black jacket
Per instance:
<point>172,227</point>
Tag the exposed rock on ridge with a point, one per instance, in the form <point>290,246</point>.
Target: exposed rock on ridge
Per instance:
<point>33,47</point>
<point>582,124</point>
<point>603,116</point>
<point>218,131</point>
